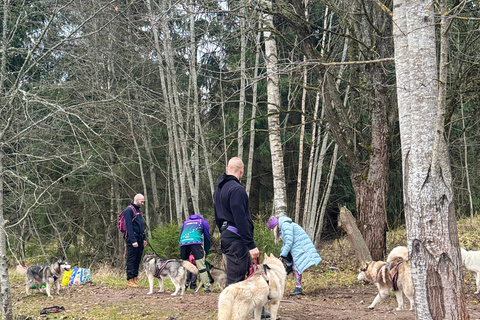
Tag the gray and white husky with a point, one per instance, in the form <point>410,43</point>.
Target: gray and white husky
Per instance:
<point>159,268</point>
<point>49,274</point>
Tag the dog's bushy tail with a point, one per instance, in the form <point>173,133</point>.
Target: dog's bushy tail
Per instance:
<point>397,254</point>
<point>189,267</point>
<point>225,306</point>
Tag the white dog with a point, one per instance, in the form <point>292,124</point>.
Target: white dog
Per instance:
<point>471,261</point>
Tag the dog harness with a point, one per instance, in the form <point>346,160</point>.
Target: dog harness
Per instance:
<point>379,270</point>
<point>160,269</point>
<point>394,277</point>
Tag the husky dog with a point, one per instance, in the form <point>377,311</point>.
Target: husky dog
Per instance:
<point>391,275</point>
<point>49,274</point>
<point>219,276</point>
<point>471,261</point>
<point>238,300</point>
<point>162,269</point>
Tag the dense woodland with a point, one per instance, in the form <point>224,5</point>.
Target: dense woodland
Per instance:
<point>101,100</point>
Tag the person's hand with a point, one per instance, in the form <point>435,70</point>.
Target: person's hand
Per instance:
<point>255,253</point>
<point>135,244</point>
<point>281,258</point>
<point>144,243</point>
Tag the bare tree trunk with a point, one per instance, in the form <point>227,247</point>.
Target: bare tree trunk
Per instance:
<point>142,174</point>
<point>311,167</point>
<point>254,112</point>
<point>325,197</point>
<point>428,193</point>
<point>469,190</point>
<point>300,146</point>
<point>167,99</point>
<point>302,136</point>
<point>195,157</point>
<point>7,313</point>
<point>273,106</point>
<point>243,76</point>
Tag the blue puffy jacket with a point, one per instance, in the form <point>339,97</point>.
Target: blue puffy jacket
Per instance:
<point>298,243</point>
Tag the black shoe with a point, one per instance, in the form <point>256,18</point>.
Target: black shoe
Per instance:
<point>297,291</point>
<point>207,291</point>
<point>186,285</point>
<point>265,314</point>
<point>193,286</point>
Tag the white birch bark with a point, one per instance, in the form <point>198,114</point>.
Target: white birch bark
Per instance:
<point>7,313</point>
<point>168,103</point>
<point>465,155</point>
<point>146,213</point>
<point>428,194</point>
<point>254,112</point>
<point>273,106</point>
<point>243,77</point>
<point>302,135</point>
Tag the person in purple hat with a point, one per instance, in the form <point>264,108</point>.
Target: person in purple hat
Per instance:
<point>298,251</point>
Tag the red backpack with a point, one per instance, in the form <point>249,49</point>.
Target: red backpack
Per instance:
<point>121,225</point>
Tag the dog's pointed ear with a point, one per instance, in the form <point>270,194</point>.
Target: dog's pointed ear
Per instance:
<point>265,256</point>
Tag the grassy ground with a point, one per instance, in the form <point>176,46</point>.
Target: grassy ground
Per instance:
<point>108,297</point>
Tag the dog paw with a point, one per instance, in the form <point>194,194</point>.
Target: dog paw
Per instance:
<point>174,294</point>
<point>149,292</point>
<point>477,291</point>
<point>371,307</point>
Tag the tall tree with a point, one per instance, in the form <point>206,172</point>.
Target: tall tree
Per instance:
<point>428,194</point>
<point>361,126</point>
<point>273,106</point>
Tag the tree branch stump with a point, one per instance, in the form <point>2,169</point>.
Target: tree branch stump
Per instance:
<point>350,225</point>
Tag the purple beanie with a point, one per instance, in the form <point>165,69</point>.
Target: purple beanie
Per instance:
<point>272,223</point>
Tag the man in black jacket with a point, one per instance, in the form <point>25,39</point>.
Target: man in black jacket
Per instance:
<point>234,221</point>
<point>135,240</point>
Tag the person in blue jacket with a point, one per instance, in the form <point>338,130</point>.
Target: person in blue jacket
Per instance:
<point>195,239</point>
<point>298,251</point>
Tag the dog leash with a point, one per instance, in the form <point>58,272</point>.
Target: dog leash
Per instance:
<point>253,267</point>
<point>54,309</point>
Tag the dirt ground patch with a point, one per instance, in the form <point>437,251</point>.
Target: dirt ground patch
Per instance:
<point>98,301</point>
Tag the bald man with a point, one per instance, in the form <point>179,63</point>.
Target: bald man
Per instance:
<point>136,239</point>
<point>234,221</point>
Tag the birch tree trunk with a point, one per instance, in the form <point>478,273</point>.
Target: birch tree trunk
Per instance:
<point>7,313</point>
<point>467,175</point>
<point>243,76</point>
<point>254,112</point>
<point>428,194</point>
<point>273,107</point>
<point>167,100</point>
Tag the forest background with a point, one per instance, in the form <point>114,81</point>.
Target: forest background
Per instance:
<point>105,99</point>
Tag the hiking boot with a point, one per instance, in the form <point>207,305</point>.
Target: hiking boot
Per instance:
<point>136,280</point>
<point>208,290</point>
<point>297,291</point>
<point>193,286</point>
<point>187,284</point>
<point>131,283</point>
<point>265,314</point>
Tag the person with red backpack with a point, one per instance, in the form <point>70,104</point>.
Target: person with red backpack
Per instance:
<point>135,238</point>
